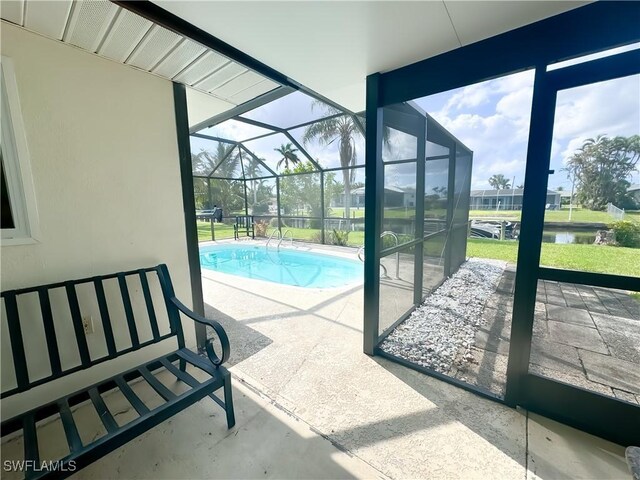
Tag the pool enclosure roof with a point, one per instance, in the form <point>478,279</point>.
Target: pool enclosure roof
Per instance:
<point>250,145</point>
<point>246,145</point>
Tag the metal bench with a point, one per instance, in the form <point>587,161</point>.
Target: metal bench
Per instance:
<point>148,293</point>
<point>633,460</point>
<point>245,223</point>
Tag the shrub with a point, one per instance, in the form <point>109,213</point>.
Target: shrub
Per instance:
<point>389,242</point>
<point>261,228</point>
<point>627,233</point>
<point>339,237</point>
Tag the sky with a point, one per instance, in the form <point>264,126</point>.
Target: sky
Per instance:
<point>293,109</point>
<point>492,118</point>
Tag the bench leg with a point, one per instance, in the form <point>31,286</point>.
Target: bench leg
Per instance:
<point>183,365</point>
<point>228,402</point>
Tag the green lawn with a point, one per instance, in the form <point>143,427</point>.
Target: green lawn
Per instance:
<point>224,231</point>
<point>589,258</point>
<point>339,212</point>
<point>578,215</point>
<point>356,239</point>
<point>392,212</point>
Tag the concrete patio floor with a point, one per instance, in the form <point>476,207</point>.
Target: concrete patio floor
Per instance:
<point>267,442</point>
<point>302,348</point>
<point>310,404</point>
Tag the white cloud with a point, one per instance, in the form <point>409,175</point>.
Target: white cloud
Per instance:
<point>611,108</point>
<point>469,97</point>
<point>492,119</point>
<point>399,146</point>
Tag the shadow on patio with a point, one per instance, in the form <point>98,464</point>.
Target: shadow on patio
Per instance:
<point>400,422</point>
<point>265,443</point>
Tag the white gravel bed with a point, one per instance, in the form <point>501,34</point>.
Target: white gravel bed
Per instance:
<point>444,327</point>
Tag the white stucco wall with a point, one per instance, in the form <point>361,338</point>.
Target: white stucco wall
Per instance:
<point>103,148</point>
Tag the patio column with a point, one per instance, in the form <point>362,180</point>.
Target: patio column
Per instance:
<point>189,206</point>
<point>374,187</point>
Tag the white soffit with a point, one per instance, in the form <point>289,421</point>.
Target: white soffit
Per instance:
<point>202,68</point>
<point>88,24</point>
<point>48,19</point>
<point>127,31</point>
<point>13,11</point>
<point>331,47</point>
<point>102,27</point>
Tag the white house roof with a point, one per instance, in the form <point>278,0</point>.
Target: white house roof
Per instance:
<point>507,192</point>
<point>360,190</point>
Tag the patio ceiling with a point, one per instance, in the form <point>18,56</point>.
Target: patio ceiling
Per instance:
<point>216,83</point>
<point>330,47</point>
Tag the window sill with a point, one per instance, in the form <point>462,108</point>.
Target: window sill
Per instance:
<point>9,242</point>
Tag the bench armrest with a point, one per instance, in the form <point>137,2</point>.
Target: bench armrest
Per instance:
<point>222,335</point>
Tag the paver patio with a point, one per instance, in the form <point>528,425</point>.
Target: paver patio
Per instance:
<point>582,335</point>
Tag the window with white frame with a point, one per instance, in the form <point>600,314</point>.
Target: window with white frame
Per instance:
<point>18,208</point>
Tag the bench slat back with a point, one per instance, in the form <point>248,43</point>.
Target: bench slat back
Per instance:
<point>128,310</point>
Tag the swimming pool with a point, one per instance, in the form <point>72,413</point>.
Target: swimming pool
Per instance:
<point>285,266</point>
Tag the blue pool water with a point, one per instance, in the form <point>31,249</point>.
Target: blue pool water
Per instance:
<point>286,266</point>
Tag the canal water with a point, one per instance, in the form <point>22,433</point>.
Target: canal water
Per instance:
<point>569,236</point>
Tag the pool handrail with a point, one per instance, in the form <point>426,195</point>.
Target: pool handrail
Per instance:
<point>284,235</point>
<point>395,237</point>
<point>275,230</point>
<point>361,258</point>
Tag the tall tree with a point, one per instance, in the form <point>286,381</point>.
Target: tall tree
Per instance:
<point>302,191</point>
<point>342,130</point>
<point>289,154</point>
<point>224,159</point>
<point>602,167</point>
<point>499,182</point>
<point>251,170</point>
<point>207,160</point>
<point>203,164</point>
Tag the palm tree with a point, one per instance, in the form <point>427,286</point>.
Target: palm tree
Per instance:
<point>288,155</point>
<point>251,171</point>
<point>499,182</point>
<point>205,161</point>
<point>225,160</point>
<point>342,130</point>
